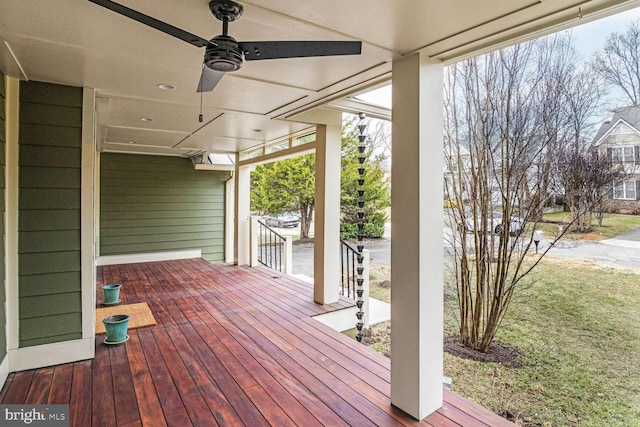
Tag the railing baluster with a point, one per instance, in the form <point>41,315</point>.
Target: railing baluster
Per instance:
<point>271,247</point>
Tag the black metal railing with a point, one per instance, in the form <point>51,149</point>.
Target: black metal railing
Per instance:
<point>348,269</point>
<point>271,247</point>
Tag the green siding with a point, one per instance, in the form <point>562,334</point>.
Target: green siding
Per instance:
<point>156,204</point>
<point>3,315</point>
<point>49,213</point>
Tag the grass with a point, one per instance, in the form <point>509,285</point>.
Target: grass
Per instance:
<point>576,327</point>
<point>612,225</point>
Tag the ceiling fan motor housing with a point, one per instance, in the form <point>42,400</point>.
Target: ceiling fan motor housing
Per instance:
<point>226,10</point>
<point>223,54</point>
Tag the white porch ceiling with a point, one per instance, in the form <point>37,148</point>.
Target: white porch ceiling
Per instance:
<point>78,43</point>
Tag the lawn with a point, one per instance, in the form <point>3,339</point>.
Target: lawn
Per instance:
<point>612,225</point>
<point>575,326</point>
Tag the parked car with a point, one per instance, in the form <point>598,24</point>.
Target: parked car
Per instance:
<point>284,220</point>
<point>495,224</point>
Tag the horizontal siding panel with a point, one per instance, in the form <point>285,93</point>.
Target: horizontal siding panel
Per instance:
<point>36,198</point>
<point>49,262</point>
<point>59,177</point>
<point>50,283</point>
<point>50,305</point>
<point>62,325</point>
<point>216,219</point>
<point>44,135</point>
<point>168,206</point>
<point>50,219</point>
<point>50,157</point>
<point>147,215</point>
<point>172,231</point>
<point>52,115</point>
<point>48,93</point>
<point>49,241</point>
<point>196,238</point>
<point>211,190</point>
<point>158,199</point>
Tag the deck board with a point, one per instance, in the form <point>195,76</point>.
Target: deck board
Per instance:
<point>232,346</point>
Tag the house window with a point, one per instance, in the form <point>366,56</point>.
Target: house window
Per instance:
<point>623,154</point>
<point>625,190</point>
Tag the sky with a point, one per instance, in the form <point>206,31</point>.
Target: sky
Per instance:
<point>588,37</point>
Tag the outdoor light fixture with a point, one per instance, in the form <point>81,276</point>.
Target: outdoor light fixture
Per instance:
<point>538,235</point>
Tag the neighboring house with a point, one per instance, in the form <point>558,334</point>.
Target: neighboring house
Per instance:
<point>619,139</point>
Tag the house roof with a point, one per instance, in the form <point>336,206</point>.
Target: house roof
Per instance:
<point>628,115</point>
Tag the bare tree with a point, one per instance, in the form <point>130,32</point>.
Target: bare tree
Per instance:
<point>619,61</point>
<point>586,178</point>
<point>506,114</point>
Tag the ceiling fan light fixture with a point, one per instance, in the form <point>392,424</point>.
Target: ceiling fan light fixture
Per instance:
<point>223,54</point>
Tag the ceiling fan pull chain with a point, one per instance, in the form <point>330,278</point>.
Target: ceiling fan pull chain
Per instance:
<point>201,117</point>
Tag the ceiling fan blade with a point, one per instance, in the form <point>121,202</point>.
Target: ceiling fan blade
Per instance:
<point>254,51</point>
<point>153,23</point>
<point>209,79</point>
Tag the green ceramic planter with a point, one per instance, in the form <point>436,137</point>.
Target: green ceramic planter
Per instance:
<point>111,293</point>
<point>116,327</point>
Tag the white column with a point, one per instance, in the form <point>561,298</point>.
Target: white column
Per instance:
<point>242,205</point>
<point>88,216</point>
<point>417,230</point>
<point>326,273</point>
<point>229,219</point>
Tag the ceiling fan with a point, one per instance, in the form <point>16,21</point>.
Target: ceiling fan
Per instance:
<point>223,53</point>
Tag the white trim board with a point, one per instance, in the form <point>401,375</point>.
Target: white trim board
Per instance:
<point>148,257</point>
<point>40,356</point>
<point>4,369</point>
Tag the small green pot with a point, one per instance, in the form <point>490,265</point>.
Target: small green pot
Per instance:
<point>111,293</point>
<point>116,327</point>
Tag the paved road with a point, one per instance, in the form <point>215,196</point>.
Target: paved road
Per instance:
<point>380,253</point>
<point>622,251</point>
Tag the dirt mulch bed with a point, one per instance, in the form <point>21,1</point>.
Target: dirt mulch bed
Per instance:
<point>497,353</point>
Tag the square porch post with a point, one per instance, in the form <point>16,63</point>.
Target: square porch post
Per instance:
<point>242,208</point>
<point>327,212</point>
<point>417,236</point>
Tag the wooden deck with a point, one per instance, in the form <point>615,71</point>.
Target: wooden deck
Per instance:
<point>233,346</point>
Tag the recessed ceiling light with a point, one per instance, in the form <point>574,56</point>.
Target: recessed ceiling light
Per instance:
<point>146,119</point>
<point>132,142</point>
<point>165,86</point>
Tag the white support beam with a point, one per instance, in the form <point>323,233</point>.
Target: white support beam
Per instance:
<point>417,230</point>
<point>242,239</point>
<point>327,212</point>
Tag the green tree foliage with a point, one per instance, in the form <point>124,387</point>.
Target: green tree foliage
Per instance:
<point>376,185</point>
<point>289,186</point>
<point>286,186</point>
